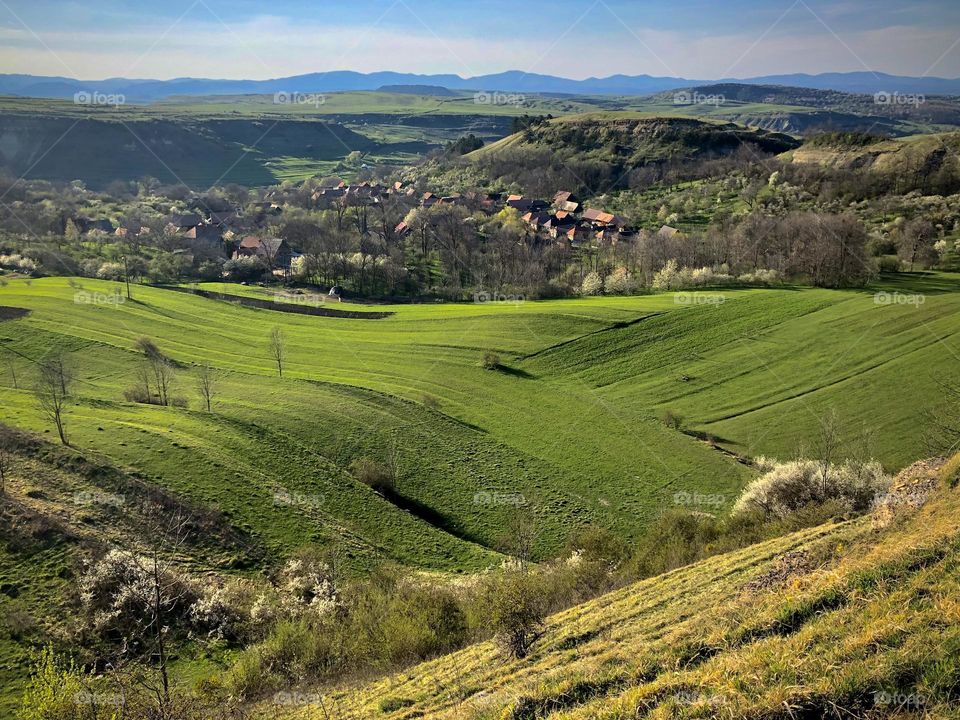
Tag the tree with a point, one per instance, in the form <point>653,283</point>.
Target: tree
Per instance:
<point>159,367</point>
<point>208,378</point>
<point>515,607</point>
<point>915,243</point>
<point>52,390</point>
<point>827,444</point>
<point>278,348</point>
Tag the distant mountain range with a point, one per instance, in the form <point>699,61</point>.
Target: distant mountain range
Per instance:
<point>513,81</point>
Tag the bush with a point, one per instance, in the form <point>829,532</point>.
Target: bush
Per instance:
<point>111,271</point>
<point>792,486</point>
<point>888,264</point>
<point>515,611</point>
<point>619,282</point>
<point>592,284</point>
<point>374,474</point>
<point>245,269</point>
<point>672,420</point>
<point>490,361</point>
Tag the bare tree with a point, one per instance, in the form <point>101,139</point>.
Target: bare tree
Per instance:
<point>52,390</point>
<point>278,348</point>
<point>160,368</point>
<point>827,444</point>
<point>166,592</point>
<point>522,534</point>
<point>208,380</point>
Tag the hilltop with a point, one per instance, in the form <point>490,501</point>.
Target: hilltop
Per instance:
<point>637,139</point>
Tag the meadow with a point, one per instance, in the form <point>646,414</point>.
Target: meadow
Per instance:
<point>568,427</point>
<point>569,422</point>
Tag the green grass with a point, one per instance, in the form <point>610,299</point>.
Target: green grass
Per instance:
<point>571,422</point>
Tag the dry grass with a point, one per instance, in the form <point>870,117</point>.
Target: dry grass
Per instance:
<point>870,630</point>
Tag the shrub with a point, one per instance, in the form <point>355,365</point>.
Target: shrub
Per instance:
<point>619,282</point>
<point>762,277</point>
<point>55,684</point>
<point>111,271</point>
<point>374,474</point>
<point>515,610</point>
<point>245,269</point>
<point>672,420</point>
<point>592,284</point>
<point>490,361</point>
<point>791,486</point>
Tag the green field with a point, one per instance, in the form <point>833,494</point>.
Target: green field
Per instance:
<point>569,426</point>
<point>570,422</point>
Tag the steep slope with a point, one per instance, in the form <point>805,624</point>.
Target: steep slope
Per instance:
<point>843,620</point>
<point>923,154</point>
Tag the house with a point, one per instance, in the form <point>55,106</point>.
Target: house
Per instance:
<point>666,232</point>
<point>224,220</point>
<point>537,220</point>
<point>401,230</point>
<point>566,201</point>
<point>602,220</point>
<point>210,235</point>
<point>580,235</point>
<point>275,252</point>
<point>186,221</point>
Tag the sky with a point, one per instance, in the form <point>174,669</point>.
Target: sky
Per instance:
<point>694,39</point>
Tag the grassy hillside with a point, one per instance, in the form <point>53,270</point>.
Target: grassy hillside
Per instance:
<point>843,620</point>
<point>570,422</point>
<point>568,427</point>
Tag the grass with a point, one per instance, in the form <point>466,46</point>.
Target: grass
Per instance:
<point>872,628</point>
<point>568,424</point>
<point>570,420</point>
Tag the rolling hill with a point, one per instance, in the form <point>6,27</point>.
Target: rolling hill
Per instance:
<point>568,427</point>
<point>843,620</point>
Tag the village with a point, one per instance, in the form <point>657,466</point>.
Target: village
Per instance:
<point>246,231</point>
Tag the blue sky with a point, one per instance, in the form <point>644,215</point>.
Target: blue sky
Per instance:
<point>693,39</point>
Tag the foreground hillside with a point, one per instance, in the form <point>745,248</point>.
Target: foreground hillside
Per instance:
<point>851,619</point>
